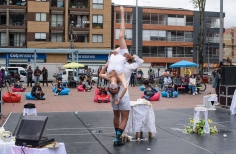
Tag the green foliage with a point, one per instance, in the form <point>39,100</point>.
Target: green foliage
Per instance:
<point>199,127</point>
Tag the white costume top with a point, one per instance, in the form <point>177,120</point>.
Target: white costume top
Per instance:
<point>116,62</point>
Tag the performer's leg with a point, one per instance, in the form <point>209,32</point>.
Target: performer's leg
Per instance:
<point>122,30</point>
<point>116,119</point>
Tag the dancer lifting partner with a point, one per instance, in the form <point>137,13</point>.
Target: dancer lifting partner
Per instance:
<point>122,109</point>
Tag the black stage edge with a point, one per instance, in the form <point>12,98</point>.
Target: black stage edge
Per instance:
<point>77,132</point>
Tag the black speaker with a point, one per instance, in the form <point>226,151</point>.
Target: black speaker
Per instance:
<point>31,128</point>
<point>228,74</point>
<point>227,90</point>
<point>225,100</point>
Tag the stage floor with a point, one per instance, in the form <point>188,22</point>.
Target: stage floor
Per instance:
<point>75,130</point>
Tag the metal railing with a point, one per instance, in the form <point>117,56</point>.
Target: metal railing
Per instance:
<point>16,42</point>
<point>212,25</point>
<point>182,55</point>
<point>180,23</point>
<point>154,38</point>
<point>17,22</point>
<point>179,39</point>
<point>57,23</point>
<point>153,55</point>
<point>129,37</point>
<point>78,5</point>
<point>213,39</point>
<point>127,21</point>
<point>154,22</point>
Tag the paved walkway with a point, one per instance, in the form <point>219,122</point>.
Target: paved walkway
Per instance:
<point>83,101</point>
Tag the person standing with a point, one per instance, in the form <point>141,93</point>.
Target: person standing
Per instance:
<point>59,74</point>
<point>7,76</point>
<point>132,79</point>
<point>151,75</point>
<point>37,73</point>
<point>99,79</point>
<point>45,76</point>
<point>89,76</point>
<point>29,76</point>
<point>216,82</point>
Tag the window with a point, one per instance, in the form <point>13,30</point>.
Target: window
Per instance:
<point>40,16</point>
<point>97,38</point>
<point>56,20</point>
<point>41,0</point>
<point>97,21</point>
<point>97,4</point>
<point>40,36</point>
<point>56,37</point>
<point>128,34</point>
<point>154,35</point>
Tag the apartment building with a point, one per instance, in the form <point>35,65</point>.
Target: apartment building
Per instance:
<point>230,42</point>
<point>167,35</point>
<point>50,23</point>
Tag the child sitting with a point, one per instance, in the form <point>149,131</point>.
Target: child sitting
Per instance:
<point>19,85</point>
<point>170,90</point>
<point>102,93</point>
<point>149,91</point>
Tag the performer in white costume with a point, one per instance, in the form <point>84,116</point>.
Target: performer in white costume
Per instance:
<point>122,109</point>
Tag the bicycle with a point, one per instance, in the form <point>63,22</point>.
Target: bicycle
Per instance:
<point>202,87</point>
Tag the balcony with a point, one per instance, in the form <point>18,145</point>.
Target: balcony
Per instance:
<point>82,4</point>
<point>82,38</point>
<point>80,22</point>
<point>179,39</point>
<point>17,43</point>
<point>153,55</point>
<point>182,55</point>
<point>180,24</point>
<point>154,22</point>
<point>127,21</point>
<point>213,39</point>
<point>154,38</point>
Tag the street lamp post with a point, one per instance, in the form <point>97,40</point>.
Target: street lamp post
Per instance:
<point>136,44</point>
<point>208,52</point>
<point>71,39</point>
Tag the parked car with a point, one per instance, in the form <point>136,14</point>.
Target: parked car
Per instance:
<point>207,77</point>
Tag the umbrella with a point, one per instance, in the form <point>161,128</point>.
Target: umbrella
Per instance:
<point>73,65</point>
<point>183,63</point>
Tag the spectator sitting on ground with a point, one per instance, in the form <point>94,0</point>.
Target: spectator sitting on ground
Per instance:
<point>169,89</point>
<point>102,93</point>
<point>59,88</point>
<point>149,91</point>
<point>37,91</point>
<point>86,86</point>
<point>19,85</point>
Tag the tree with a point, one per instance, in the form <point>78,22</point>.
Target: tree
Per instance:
<point>200,4</point>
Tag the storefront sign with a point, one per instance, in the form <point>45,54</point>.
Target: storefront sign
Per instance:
<point>27,55</point>
<point>211,65</point>
<point>159,64</point>
<point>90,57</point>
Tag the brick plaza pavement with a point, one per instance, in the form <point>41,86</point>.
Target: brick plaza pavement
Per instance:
<point>83,101</point>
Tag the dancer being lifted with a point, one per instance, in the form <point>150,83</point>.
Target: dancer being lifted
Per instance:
<point>115,64</point>
<point>121,110</point>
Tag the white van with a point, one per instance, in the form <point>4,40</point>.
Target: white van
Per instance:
<point>20,70</point>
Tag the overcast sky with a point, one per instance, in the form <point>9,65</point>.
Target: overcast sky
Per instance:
<point>211,5</point>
